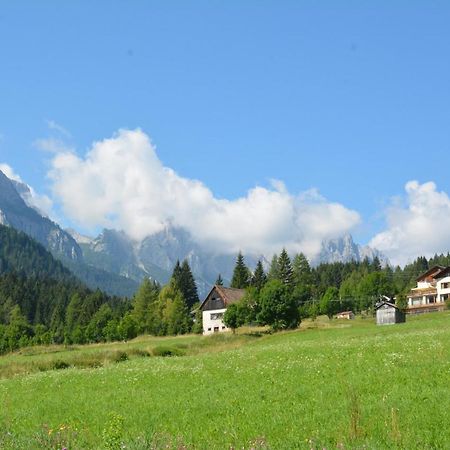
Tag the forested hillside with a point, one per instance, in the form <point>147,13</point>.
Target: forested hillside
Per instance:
<point>26,257</point>
<point>41,301</point>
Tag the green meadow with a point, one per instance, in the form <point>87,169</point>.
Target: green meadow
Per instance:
<point>329,385</point>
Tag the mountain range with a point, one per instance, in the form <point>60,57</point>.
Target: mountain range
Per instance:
<point>117,264</point>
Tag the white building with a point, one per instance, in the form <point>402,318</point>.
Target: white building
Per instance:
<point>433,289</point>
<point>215,305</point>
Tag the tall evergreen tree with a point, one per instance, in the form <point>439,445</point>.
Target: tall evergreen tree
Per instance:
<point>185,283</point>
<point>301,270</point>
<point>274,270</point>
<point>241,274</point>
<point>286,273</point>
<point>219,281</point>
<point>142,305</point>
<point>259,278</point>
<point>175,314</point>
<point>177,273</point>
<point>187,286</point>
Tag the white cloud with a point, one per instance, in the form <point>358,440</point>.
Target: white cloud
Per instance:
<point>122,184</point>
<point>9,172</point>
<point>54,126</point>
<point>418,226</point>
<point>52,145</point>
<point>40,202</point>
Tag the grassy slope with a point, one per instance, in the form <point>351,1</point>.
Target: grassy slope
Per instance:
<point>340,387</point>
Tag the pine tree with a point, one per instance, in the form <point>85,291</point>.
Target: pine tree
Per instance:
<point>285,269</point>
<point>301,270</point>
<point>241,274</point>
<point>259,278</point>
<point>177,273</point>
<point>187,286</point>
<point>175,313</point>
<point>274,270</point>
<point>185,283</point>
<point>144,298</point>
<point>219,281</point>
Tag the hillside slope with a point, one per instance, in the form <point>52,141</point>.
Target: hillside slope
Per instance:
<point>348,385</point>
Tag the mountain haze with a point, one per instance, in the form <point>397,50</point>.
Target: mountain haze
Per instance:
<point>16,213</point>
<point>116,263</point>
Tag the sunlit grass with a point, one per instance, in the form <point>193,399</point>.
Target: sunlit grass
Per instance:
<point>338,384</point>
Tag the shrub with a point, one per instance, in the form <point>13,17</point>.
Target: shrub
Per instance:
<point>138,352</point>
<point>166,350</point>
<point>119,356</point>
<point>59,364</point>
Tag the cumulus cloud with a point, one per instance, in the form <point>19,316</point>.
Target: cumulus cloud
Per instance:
<point>120,183</point>
<point>41,203</point>
<point>418,225</point>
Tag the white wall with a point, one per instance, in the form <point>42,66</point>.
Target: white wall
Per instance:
<point>442,291</point>
<point>209,324</point>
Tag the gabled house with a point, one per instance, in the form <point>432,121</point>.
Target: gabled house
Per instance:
<point>431,292</point>
<point>215,305</point>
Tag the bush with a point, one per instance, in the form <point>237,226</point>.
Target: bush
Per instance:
<point>119,356</point>
<point>138,352</point>
<point>59,364</point>
<point>166,350</point>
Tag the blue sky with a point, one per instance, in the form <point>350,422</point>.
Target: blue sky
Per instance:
<point>350,97</point>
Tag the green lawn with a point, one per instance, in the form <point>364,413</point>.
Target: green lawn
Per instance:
<point>329,385</point>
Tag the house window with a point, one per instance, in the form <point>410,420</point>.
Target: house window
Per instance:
<point>223,328</point>
<point>445,285</point>
<point>216,329</point>
<point>444,297</point>
<point>216,316</point>
<point>209,329</point>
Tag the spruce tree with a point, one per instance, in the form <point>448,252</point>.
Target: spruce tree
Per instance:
<point>241,274</point>
<point>185,283</point>
<point>274,271</point>
<point>142,305</point>
<point>219,281</point>
<point>175,314</point>
<point>301,270</point>
<point>285,269</point>
<point>259,278</point>
<point>177,273</point>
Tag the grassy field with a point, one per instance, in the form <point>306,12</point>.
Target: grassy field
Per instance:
<point>330,385</point>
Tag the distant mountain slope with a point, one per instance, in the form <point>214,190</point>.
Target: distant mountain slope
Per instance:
<point>156,255</point>
<point>344,249</point>
<point>15,212</point>
<point>23,255</point>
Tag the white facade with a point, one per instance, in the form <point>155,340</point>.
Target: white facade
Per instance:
<point>213,321</point>
<point>214,306</point>
<point>443,289</point>
<point>431,292</point>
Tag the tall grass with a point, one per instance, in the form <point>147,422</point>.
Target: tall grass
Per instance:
<point>339,385</point>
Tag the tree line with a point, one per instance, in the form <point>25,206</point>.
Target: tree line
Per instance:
<point>41,302</point>
<point>291,290</point>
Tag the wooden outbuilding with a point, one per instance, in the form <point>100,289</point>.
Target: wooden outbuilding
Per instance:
<point>388,313</point>
<point>349,315</point>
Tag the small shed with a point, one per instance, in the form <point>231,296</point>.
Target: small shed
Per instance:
<point>349,315</point>
<point>388,313</point>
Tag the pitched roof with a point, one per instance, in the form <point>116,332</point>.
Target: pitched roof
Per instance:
<point>228,295</point>
<point>433,273</point>
<point>384,302</point>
